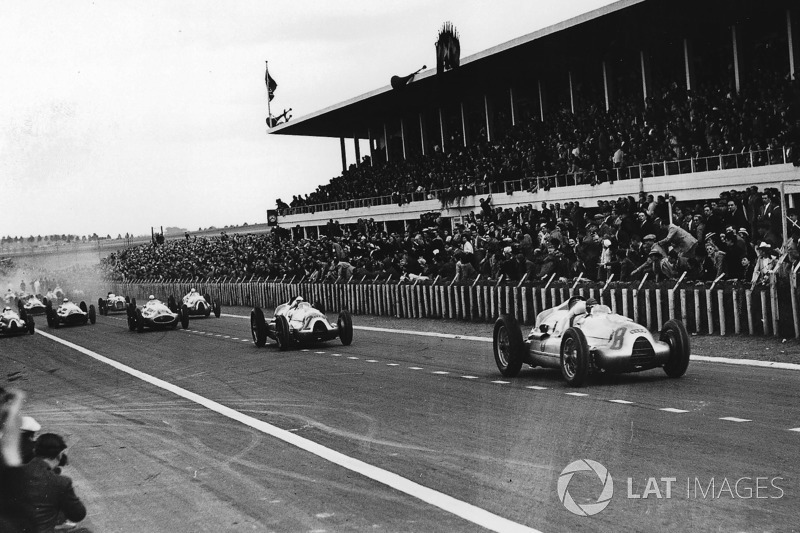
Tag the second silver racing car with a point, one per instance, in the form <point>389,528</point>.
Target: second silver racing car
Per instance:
<point>298,322</point>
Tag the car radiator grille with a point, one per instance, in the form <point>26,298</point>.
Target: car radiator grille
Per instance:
<point>643,352</point>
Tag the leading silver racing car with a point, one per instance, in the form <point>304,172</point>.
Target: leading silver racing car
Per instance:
<point>581,337</point>
<point>299,322</point>
<point>33,304</point>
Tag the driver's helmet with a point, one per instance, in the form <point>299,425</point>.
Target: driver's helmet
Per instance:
<point>6,309</point>
<point>65,300</point>
<point>110,294</point>
<point>151,297</point>
<point>297,301</point>
<point>590,302</point>
<point>192,291</point>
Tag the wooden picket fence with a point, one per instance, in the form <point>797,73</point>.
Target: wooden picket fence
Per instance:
<point>724,310</point>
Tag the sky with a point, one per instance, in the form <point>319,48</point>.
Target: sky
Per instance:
<point>119,116</point>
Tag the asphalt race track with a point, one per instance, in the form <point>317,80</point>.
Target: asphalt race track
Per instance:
<point>398,432</point>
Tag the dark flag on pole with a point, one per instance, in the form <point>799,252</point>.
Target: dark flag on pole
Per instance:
<point>271,85</point>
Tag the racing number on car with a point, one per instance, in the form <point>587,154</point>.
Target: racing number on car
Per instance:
<point>617,338</point>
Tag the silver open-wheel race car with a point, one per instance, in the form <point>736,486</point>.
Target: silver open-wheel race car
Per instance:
<point>195,305</point>
<point>299,322</point>
<point>33,304</point>
<point>15,323</point>
<point>154,315</point>
<point>581,337</point>
<point>113,304</point>
<point>69,314</point>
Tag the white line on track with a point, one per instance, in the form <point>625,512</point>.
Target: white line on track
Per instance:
<point>576,394</point>
<point>702,358</point>
<point>734,419</point>
<point>673,410</point>
<point>462,509</point>
<point>623,402</point>
<point>536,387</point>
<point>795,429</point>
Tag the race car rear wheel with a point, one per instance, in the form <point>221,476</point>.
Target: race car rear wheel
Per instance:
<point>258,328</point>
<point>674,333</point>
<point>133,302</point>
<point>507,345</point>
<point>83,307</point>
<point>173,306</point>
<point>208,306</point>
<point>345,325</point>
<point>574,357</point>
<point>139,321</point>
<point>101,306</point>
<point>131,322</point>
<point>30,325</point>
<point>282,332</point>
<point>184,316</point>
<point>217,308</point>
<point>92,314</point>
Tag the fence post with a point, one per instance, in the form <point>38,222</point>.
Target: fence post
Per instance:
<point>721,303</point>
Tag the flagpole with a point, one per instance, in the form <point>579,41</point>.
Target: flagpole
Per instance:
<point>269,108</point>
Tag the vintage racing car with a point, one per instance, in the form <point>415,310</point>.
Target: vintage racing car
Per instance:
<point>33,304</point>
<point>114,304</point>
<point>298,322</point>
<point>15,323</point>
<point>154,315</point>
<point>69,314</point>
<point>195,304</point>
<point>581,337</point>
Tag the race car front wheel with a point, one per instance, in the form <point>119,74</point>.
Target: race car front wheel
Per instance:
<point>92,314</point>
<point>282,332</point>
<point>574,357</point>
<point>345,326</point>
<point>183,313</point>
<point>258,328</point>
<point>507,345</point>
<point>674,333</point>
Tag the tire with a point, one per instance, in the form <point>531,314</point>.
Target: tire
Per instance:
<point>45,301</point>
<point>30,324</point>
<point>345,325</point>
<point>131,322</point>
<point>574,357</point>
<point>101,306</point>
<point>282,332</point>
<point>674,333</point>
<point>208,306</point>
<point>133,302</point>
<point>507,346</point>
<point>127,299</point>
<point>139,321</point>
<point>217,308</point>
<point>258,327</point>
<point>83,307</point>
<point>184,317</point>
<point>23,314</point>
<point>92,315</point>
<point>173,306</point>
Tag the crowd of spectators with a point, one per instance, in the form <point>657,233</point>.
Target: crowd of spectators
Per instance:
<point>674,125</point>
<point>736,236</point>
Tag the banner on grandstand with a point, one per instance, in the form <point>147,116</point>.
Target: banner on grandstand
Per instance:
<point>272,217</point>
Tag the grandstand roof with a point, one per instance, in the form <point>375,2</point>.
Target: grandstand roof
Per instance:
<point>352,117</point>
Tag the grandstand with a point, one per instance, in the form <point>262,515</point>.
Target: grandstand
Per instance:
<point>703,94</point>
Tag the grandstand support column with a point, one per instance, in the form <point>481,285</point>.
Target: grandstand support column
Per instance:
<point>371,148</point>
<point>571,93</point>
<point>687,65</point>
<point>441,130</point>
<point>385,142</point>
<point>513,109</point>
<point>735,46</point>
<point>790,41</point>
<point>422,134</point>
<point>463,125</point>
<point>486,116</point>
<point>358,150</point>
<point>605,85</point>
<point>541,101</point>
<point>644,75</point>
<point>344,155</point>
<point>403,136</point>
